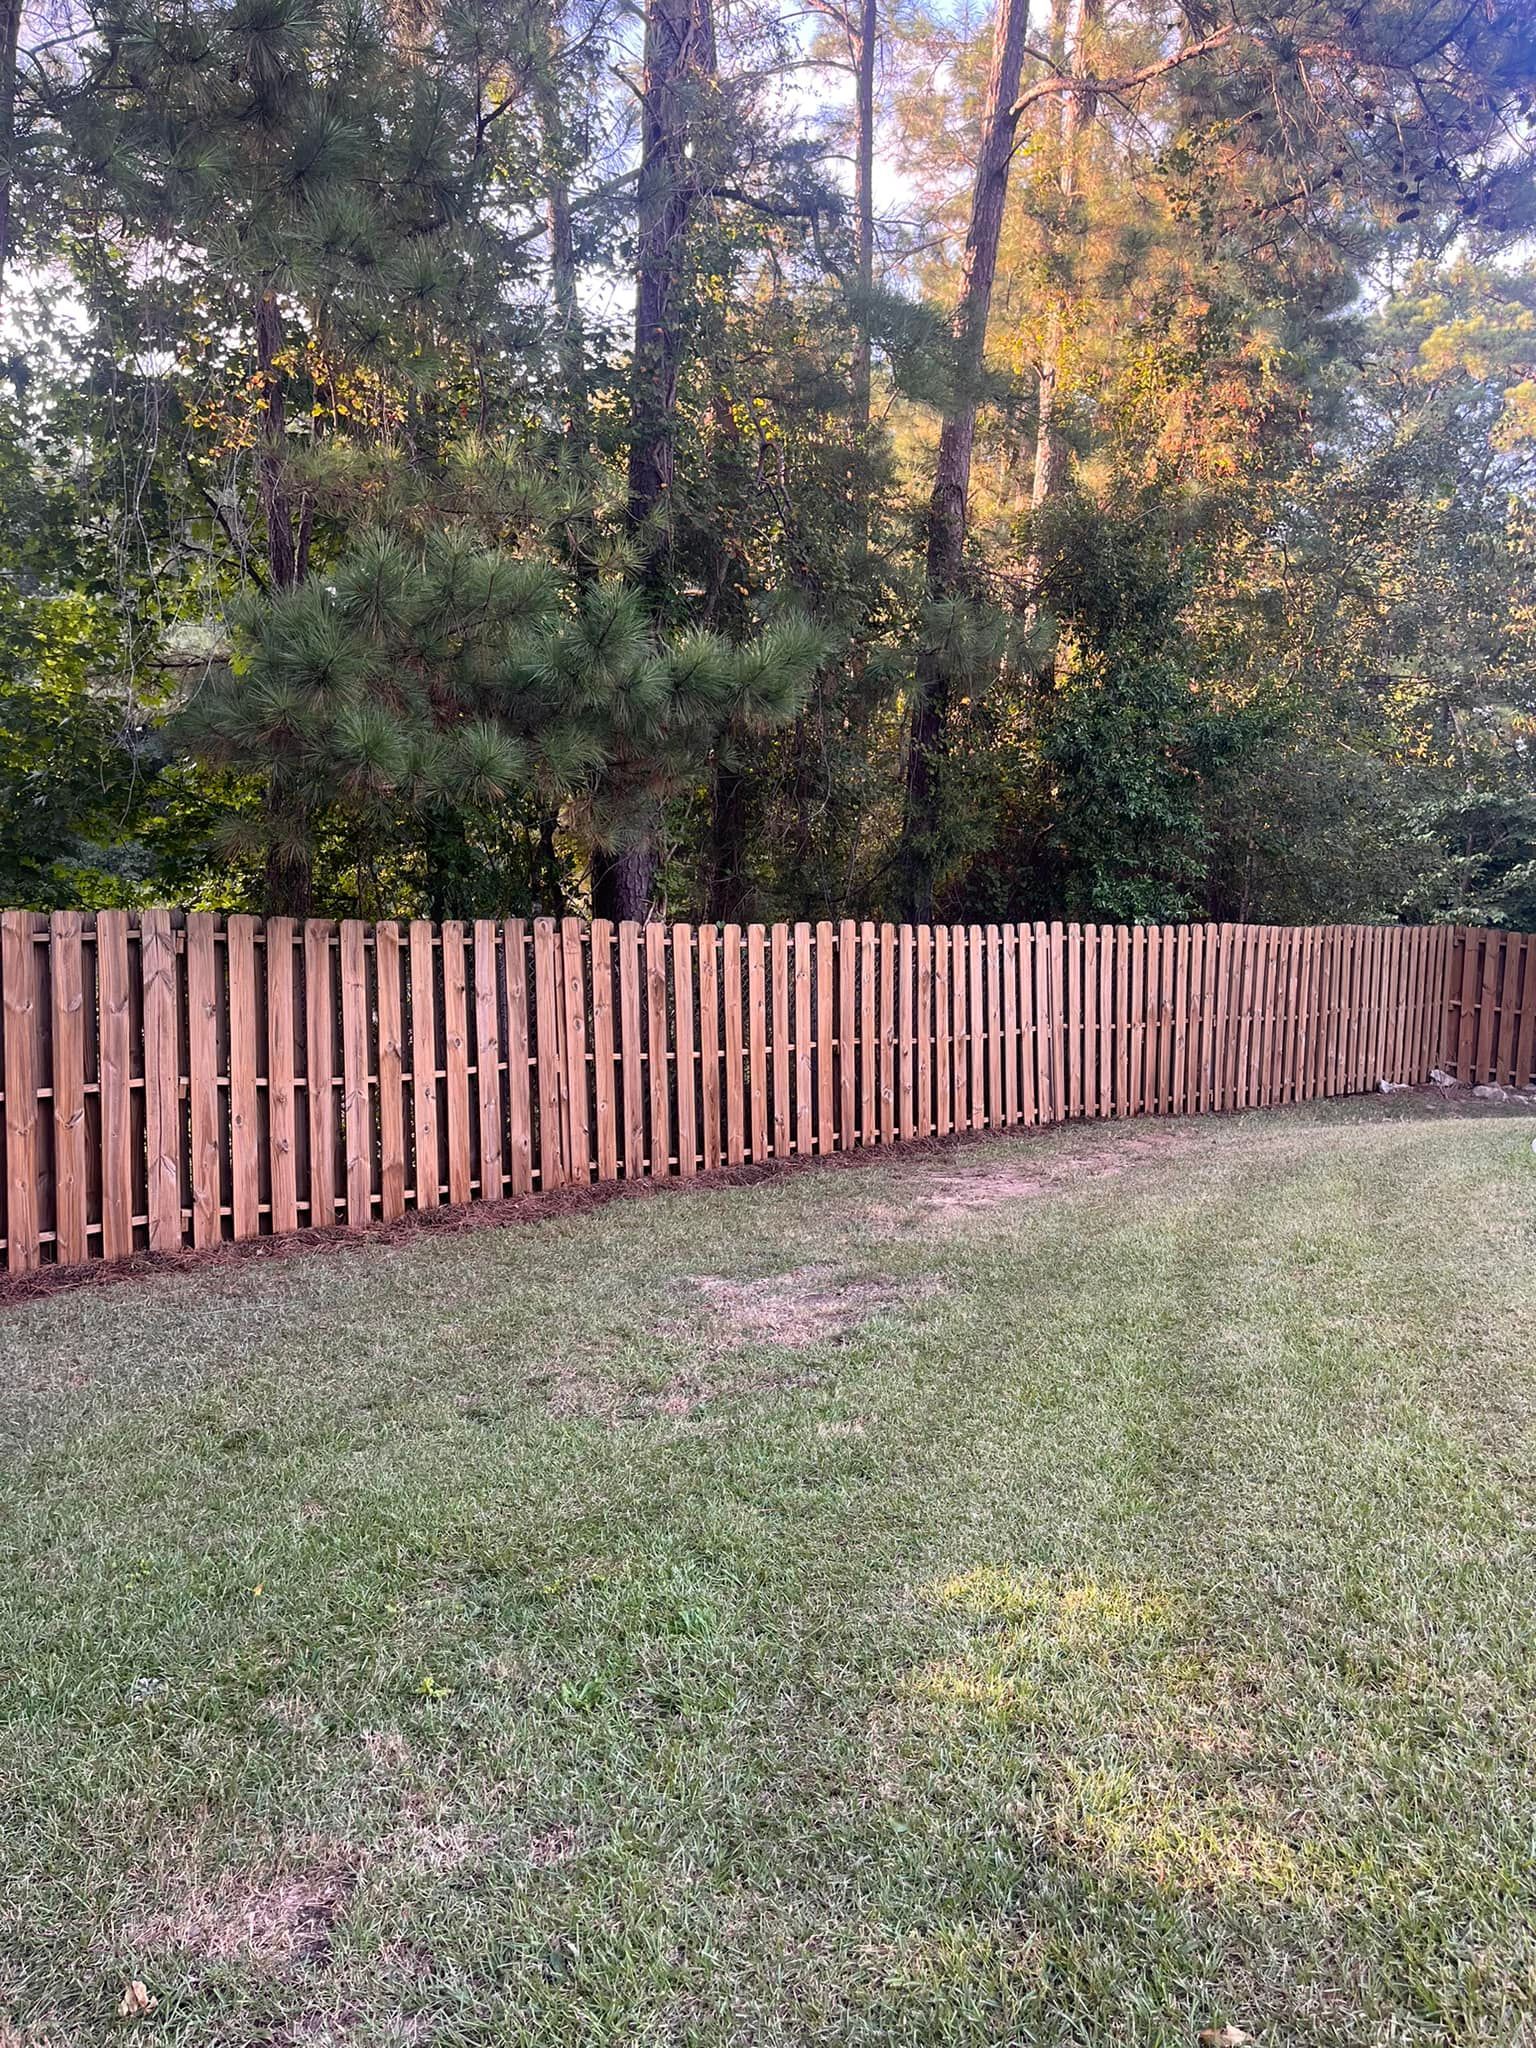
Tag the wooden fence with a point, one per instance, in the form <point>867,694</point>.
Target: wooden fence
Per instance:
<point>173,1081</point>
<point>1490,1022</point>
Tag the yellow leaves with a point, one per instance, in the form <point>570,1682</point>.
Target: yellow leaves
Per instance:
<point>136,2002</point>
<point>1517,423</point>
<point>1223,2037</point>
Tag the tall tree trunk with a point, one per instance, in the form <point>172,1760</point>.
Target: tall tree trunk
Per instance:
<point>570,334</point>
<point>290,882</point>
<point>548,881</point>
<point>1074,111</point>
<point>679,66</point>
<point>725,888</point>
<point>621,882</point>
<point>725,611</point>
<point>285,539</point>
<point>10,40</point>
<point>952,474</point>
<point>679,71</point>
<point>866,49</point>
<point>288,878</point>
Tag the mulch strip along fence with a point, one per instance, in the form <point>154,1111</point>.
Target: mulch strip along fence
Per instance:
<point>175,1082</point>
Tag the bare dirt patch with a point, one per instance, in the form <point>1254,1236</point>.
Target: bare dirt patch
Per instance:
<point>283,1921</point>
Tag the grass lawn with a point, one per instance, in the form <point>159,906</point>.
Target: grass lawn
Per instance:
<point>1075,1589</point>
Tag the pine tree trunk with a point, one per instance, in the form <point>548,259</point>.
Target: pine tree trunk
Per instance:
<point>290,882</point>
<point>725,879</point>
<point>867,48</point>
<point>621,883</point>
<point>548,882</point>
<point>570,334</point>
<point>679,66</point>
<point>289,879</point>
<point>1050,472</point>
<point>679,69</point>
<point>919,850</point>
<point>276,504</point>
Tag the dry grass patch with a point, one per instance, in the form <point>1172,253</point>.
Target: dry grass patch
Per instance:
<point>282,1921</point>
<point>993,1184</point>
<point>796,1311</point>
<point>812,1305</point>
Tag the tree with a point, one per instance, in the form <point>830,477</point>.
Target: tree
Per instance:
<point>952,471</point>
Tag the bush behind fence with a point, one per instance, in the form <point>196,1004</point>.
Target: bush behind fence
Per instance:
<point>177,1080</point>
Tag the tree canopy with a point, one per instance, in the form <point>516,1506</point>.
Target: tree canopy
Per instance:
<point>749,460</point>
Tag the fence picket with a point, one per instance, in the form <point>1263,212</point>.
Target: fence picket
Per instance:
<point>977,1031</point>
<point>1028,1096</point>
<point>162,1089</point>
<point>282,1093</point>
<point>71,1191</point>
<point>684,1039</point>
<point>943,1083</point>
<point>887,1034</point>
<point>572,1027</point>
<point>114,1035</point>
<point>1525,1049</point>
<point>757,1028</point>
<point>735,1048</point>
<point>489,1120</point>
<point>424,1119</point>
<point>782,1001</point>
<point>801,988</point>
<point>514,940</point>
<point>906,1032</point>
<point>456,1064</point>
<point>995,1018</point>
<point>867,1129</point>
<point>391,1074</point>
<point>205,1113</point>
<point>632,1054</point>
<point>658,1048</point>
<point>959,995</point>
<point>546,1037</point>
<point>244,1106</point>
<point>709,1047</point>
<point>18,968</point>
<point>924,1064</point>
<point>355,1105</point>
<point>319,1073</point>
<point>847,1034</point>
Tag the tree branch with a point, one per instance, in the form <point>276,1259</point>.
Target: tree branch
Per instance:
<point>1111,88</point>
<point>595,197</point>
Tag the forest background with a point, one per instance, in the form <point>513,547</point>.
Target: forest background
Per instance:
<point>769,458</point>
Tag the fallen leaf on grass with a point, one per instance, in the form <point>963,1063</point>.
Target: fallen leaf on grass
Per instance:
<point>135,2001</point>
<point>1224,2037</point>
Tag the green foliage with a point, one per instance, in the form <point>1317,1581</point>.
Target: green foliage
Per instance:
<point>318,582</point>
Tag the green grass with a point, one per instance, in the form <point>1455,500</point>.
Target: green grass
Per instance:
<point>1126,1628</point>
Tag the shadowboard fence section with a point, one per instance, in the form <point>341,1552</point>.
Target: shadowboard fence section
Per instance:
<point>1490,1029</point>
<point>176,1080</point>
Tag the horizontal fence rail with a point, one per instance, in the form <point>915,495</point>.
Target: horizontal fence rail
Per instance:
<point>176,1081</point>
